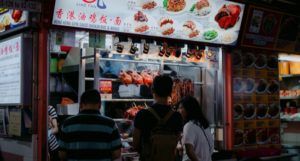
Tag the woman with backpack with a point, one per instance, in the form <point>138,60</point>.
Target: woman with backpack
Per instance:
<point>197,139</point>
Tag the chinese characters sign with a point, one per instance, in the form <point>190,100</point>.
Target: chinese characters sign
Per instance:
<point>10,71</point>
<point>210,22</point>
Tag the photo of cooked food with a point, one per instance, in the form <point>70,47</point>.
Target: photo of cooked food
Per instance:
<point>249,111</point>
<point>248,60</point>
<point>5,22</point>
<point>274,137</point>
<point>10,19</point>
<point>238,137</point>
<point>249,85</point>
<point>148,4</point>
<point>166,26</point>
<point>201,8</point>
<point>229,37</point>
<point>262,136</point>
<point>274,110</point>
<point>174,5</point>
<point>190,29</point>
<point>3,10</point>
<point>261,61</point>
<point>238,85</point>
<point>250,136</point>
<point>16,15</point>
<point>273,87</point>
<point>210,35</point>
<point>238,111</point>
<point>140,22</point>
<point>228,16</point>
<point>261,111</point>
<point>261,86</point>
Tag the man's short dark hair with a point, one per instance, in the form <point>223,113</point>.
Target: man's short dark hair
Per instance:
<point>162,85</point>
<point>90,97</point>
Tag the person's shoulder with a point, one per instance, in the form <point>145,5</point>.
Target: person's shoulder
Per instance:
<point>142,112</point>
<point>107,120</point>
<point>142,116</point>
<point>51,109</point>
<point>70,120</point>
<point>189,125</point>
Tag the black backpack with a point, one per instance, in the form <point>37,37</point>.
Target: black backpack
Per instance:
<point>163,140</point>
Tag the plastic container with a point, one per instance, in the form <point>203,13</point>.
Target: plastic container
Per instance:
<point>284,68</point>
<point>60,64</point>
<point>294,67</point>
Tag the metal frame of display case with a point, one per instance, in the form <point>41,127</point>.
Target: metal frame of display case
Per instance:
<point>96,78</point>
<point>211,85</point>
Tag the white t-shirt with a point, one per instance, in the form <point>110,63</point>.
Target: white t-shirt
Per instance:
<point>193,134</point>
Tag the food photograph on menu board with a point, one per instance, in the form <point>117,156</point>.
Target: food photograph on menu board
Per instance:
<point>213,21</point>
<point>12,19</point>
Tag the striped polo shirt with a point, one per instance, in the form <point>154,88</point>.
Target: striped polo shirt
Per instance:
<point>89,136</point>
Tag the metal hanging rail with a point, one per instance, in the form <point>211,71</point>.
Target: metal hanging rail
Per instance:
<point>128,100</point>
<point>130,61</point>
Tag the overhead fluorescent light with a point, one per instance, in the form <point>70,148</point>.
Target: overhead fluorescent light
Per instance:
<point>289,57</point>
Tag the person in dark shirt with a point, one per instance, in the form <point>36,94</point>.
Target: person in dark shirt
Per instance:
<point>88,135</point>
<point>145,121</point>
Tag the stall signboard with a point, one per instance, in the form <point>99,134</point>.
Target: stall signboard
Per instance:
<point>261,28</point>
<point>210,21</point>
<point>12,20</point>
<point>10,71</point>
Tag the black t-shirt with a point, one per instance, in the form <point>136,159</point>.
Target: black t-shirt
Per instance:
<point>146,121</point>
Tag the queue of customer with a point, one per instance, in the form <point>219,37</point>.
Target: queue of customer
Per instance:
<point>158,130</point>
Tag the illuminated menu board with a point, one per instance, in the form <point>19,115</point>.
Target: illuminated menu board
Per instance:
<point>210,21</point>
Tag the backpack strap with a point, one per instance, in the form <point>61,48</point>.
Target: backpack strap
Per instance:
<point>154,114</point>
<point>167,117</point>
<point>160,120</point>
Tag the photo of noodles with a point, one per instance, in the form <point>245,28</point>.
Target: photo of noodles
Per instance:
<point>174,5</point>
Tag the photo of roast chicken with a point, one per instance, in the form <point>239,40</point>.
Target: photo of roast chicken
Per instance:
<point>228,15</point>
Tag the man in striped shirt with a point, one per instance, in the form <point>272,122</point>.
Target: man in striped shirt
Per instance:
<point>89,136</point>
